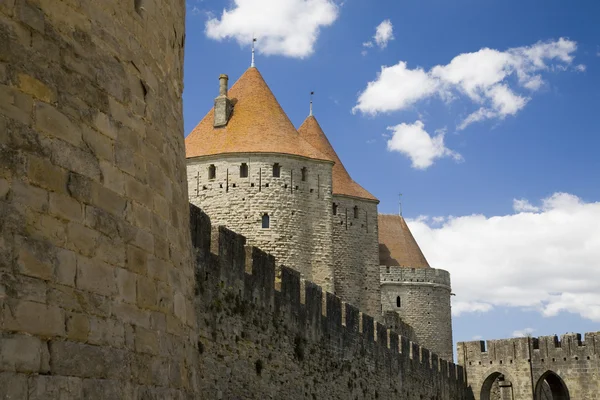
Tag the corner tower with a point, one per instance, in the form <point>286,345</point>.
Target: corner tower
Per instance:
<point>355,237</point>
<point>409,286</point>
<point>249,170</point>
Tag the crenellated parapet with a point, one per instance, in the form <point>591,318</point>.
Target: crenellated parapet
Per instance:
<point>414,276</point>
<point>237,286</point>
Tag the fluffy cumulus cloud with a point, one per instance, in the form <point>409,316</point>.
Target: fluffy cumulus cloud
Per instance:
<point>383,34</point>
<point>543,257</point>
<point>284,27</point>
<point>498,83</point>
<point>415,142</point>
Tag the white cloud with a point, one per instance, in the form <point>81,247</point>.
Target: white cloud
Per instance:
<point>580,68</point>
<point>523,205</point>
<point>488,78</point>
<point>545,257</point>
<point>523,332</point>
<point>284,27</point>
<point>422,149</point>
<point>384,32</point>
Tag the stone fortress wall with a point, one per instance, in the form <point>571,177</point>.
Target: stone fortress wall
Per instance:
<point>96,280</point>
<point>300,212</point>
<point>356,254</point>
<point>538,368</point>
<point>423,295</point>
<point>260,339</point>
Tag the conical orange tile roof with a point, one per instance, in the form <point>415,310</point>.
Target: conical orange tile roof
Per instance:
<point>311,131</point>
<point>397,246</point>
<point>258,124</point>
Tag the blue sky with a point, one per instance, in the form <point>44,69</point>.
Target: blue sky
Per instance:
<point>482,113</point>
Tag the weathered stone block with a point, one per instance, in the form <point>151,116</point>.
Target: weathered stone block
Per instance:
<point>146,341</point>
<point>36,88</point>
<point>146,293</point>
<point>96,276</point>
<point>43,387</point>
<point>31,15</point>
<point>30,196</point>
<point>106,332</point>
<point>127,285</point>
<point>23,354</point>
<point>51,121</point>
<point>13,386</point>
<point>65,207</point>
<point>78,327</point>
<point>82,360</point>
<point>15,104</point>
<point>34,318</point>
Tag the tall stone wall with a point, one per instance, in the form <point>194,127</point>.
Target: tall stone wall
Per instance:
<point>299,342</point>
<point>356,253</point>
<point>96,282</point>
<point>424,295</point>
<point>570,365</point>
<point>300,231</point>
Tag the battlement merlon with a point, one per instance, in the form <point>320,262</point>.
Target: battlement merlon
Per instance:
<point>526,348</point>
<point>391,275</point>
<point>227,265</point>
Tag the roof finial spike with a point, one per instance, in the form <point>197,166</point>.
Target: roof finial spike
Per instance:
<point>400,203</point>
<point>311,97</point>
<point>252,65</point>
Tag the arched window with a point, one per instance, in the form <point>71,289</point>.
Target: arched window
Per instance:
<point>355,211</point>
<point>276,170</point>
<point>212,171</point>
<point>265,221</point>
<point>335,209</point>
<point>304,173</point>
<point>243,170</point>
<point>398,303</point>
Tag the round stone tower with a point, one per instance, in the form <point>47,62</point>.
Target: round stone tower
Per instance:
<point>249,170</point>
<point>409,286</point>
<point>96,278</point>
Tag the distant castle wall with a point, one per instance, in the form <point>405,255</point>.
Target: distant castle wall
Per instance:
<point>260,342</point>
<point>96,279</point>
<point>355,253</point>
<point>299,211</point>
<point>421,296</point>
<point>524,364</point>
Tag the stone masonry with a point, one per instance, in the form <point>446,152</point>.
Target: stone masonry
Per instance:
<point>258,342</point>
<point>96,282</point>
<point>533,368</point>
<point>424,297</point>
<point>356,254</point>
<point>299,233</point>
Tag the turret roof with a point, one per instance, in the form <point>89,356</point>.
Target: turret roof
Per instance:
<point>397,246</point>
<point>258,124</point>
<point>311,131</point>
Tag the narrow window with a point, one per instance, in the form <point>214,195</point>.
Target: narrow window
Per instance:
<point>244,170</point>
<point>355,211</point>
<point>212,171</point>
<point>265,221</point>
<point>398,301</point>
<point>276,170</point>
<point>334,209</point>
<point>303,173</point>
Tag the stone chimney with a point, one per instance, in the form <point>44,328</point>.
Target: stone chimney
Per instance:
<point>223,105</point>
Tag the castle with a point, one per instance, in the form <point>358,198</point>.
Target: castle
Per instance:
<point>288,193</point>
<point>112,286</point>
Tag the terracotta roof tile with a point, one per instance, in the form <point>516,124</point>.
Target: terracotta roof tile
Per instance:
<point>258,125</point>
<point>343,184</point>
<point>397,246</point>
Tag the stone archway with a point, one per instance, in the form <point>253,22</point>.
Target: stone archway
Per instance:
<point>496,387</point>
<point>551,387</point>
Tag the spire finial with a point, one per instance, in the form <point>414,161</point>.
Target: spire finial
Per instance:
<point>252,65</point>
<point>400,203</point>
<point>311,97</point>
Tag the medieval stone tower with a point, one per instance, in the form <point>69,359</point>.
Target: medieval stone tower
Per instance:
<point>96,279</point>
<point>410,287</point>
<point>285,190</point>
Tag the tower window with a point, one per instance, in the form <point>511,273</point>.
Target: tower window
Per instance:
<point>276,170</point>
<point>243,170</point>
<point>355,211</point>
<point>212,171</point>
<point>335,209</point>
<point>304,173</point>
<point>398,303</point>
<point>265,221</point>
